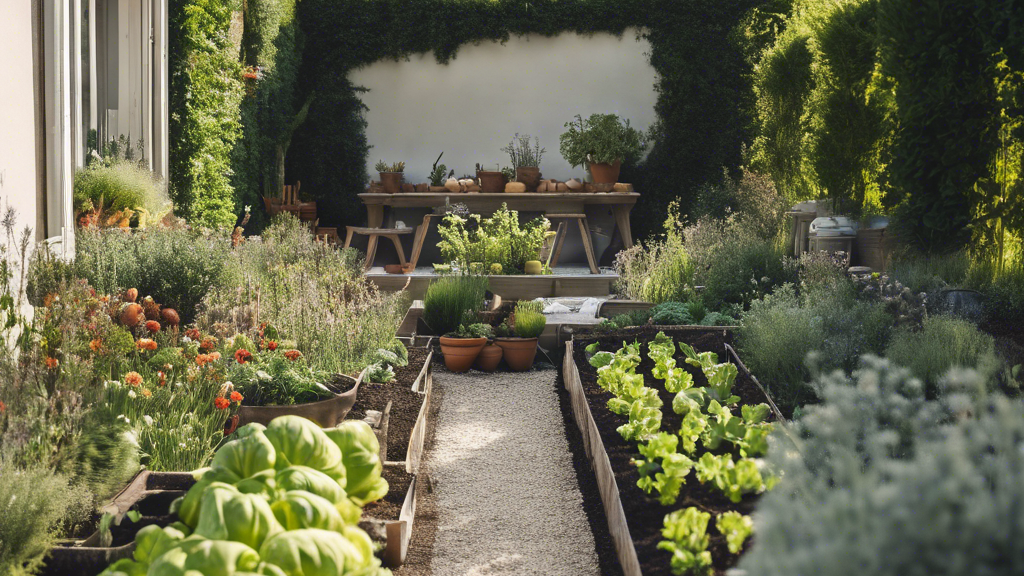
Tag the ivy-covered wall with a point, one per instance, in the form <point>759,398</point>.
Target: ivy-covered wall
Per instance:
<point>703,91</point>
<point>205,94</point>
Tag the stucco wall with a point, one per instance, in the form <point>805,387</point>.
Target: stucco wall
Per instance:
<point>471,107</point>
<point>18,168</point>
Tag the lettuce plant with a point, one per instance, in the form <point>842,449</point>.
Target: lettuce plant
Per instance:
<point>664,469</point>
<point>736,528</point>
<point>733,478</point>
<point>686,537</point>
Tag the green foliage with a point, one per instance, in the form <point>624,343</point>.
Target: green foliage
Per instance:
<point>780,330</point>
<point>892,483</point>
<point>601,138</point>
<point>529,324</point>
<point>449,298</point>
<point>942,343</point>
<point>499,239</point>
<point>691,45</point>
<point>671,314</point>
<point>438,172</point>
<point>659,270</point>
<point>736,527</point>
<point>477,330</point>
<point>685,534</point>
<point>36,506</point>
<point>205,95</point>
<point>47,274</point>
<point>104,457</point>
<point>382,167</point>
<point>118,186</point>
<point>176,267</point>
<point>270,379</point>
<point>520,152</point>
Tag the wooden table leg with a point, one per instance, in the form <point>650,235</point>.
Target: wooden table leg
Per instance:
<point>349,231</point>
<point>588,245</point>
<point>371,251</point>
<point>559,240</point>
<point>418,239</point>
<point>374,215</point>
<point>622,221</point>
<point>398,248</point>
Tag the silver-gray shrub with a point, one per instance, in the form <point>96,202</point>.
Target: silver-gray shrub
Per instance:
<point>879,480</point>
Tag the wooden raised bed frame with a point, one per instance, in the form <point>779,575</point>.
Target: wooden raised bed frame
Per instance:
<point>599,462</point>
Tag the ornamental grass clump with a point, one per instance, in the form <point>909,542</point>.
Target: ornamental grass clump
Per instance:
<point>449,298</point>
<point>942,343</point>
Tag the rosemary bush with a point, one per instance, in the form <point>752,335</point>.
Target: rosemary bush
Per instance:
<point>449,298</point>
<point>520,152</point>
<point>942,343</point>
<point>658,270</point>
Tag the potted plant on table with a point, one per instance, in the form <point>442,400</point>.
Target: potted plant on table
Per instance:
<point>391,176</point>
<point>525,160</point>
<point>491,181</point>
<point>518,335</point>
<point>438,175</point>
<point>601,143</point>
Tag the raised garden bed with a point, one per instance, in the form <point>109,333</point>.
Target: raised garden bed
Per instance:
<point>404,407</point>
<point>391,519</point>
<point>327,413</point>
<point>148,493</point>
<point>635,519</point>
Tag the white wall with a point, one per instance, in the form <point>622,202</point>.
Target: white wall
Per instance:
<point>471,107</point>
<point>17,114</point>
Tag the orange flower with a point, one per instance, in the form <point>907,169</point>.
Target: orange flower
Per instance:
<point>146,344</point>
<point>208,344</point>
<point>146,392</point>
<point>133,378</point>
<point>3,407</point>
<point>221,403</point>
<point>236,397</point>
<point>242,356</point>
<point>292,354</point>
<point>272,345</point>
<point>203,359</point>
<point>162,377</point>
<point>153,326</point>
<point>193,334</point>
<point>52,363</point>
<point>96,345</point>
<point>214,355</point>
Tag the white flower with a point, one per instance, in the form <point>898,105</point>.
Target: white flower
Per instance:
<point>132,394</point>
<point>148,420</point>
<point>125,418</point>
<point>181,444</point>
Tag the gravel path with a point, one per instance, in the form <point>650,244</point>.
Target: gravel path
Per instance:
<point>504,480</point>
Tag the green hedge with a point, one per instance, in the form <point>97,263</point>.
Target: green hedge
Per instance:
<point>703,90</point>
<point>205,94</point>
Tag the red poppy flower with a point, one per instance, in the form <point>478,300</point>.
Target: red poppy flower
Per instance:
<point>221,403</point>
<point>207,344</point>
<point>3,407</point>
<point>193,334</point>
<point>242,356</point>
<point>52,363</point>
<point>236,397</point>
<point>292,354</point>
<point>162,377</point>
<point>271,345</point>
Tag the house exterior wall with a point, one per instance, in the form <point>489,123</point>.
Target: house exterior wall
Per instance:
<point>21,184</point>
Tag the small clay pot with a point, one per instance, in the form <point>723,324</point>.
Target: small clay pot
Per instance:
<point>605,173</point>
<point>392,182</point>
<point>529,175</point>
<point>489,358</point>
<point>518,352</point>
<point>533,267</point>
<point>460,353</point>
<point>491,182</point>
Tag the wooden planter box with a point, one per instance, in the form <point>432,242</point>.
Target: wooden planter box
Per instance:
<point>326,413</point>
<point>423,385</point>
<point>593,445</point>
<point>397,532</point>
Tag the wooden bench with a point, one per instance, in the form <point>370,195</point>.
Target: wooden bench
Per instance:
<point>371,246</point>
<point>563,230</point>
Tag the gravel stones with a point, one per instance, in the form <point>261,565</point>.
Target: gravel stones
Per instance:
<point>504,479</point>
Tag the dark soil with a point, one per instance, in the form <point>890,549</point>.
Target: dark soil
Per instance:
<point>390,506</point>
<point>405,404</point>
<point>644,514</point>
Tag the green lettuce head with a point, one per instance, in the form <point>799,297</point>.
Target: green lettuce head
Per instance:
<point>227,514</point>
<point>299,441</point>
<point>299,509</point>
<point>361,456</point>
<point>313,552</point>
<point>209,557</point>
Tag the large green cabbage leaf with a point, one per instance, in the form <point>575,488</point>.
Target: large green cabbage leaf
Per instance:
<point>313,552</point>
<point>361,456</point>
<point>301,442</point>
<point>227,514</point>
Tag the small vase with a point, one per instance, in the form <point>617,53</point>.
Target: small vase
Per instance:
<point>489,358</point>
<point>534,267</point>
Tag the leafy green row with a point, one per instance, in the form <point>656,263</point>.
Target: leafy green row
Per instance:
<point>668,458</point>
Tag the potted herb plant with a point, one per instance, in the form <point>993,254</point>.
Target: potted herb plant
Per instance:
<point>438,175</point>
<point>491,181</point>
<point>521,331</point>
<point>391,176</point>
<point>601,143</point>
<point>525,160</point>
<point>461,346</point>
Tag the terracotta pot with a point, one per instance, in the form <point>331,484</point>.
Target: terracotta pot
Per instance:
<point>519,352</point>
<point>392,182</point>
<point>604,173</point>
<point>489,358</point>
<point>393,268</point>
<point>533,267</point>
<point>529,175</point>
<point>491,182</point>
<point>460,353</point>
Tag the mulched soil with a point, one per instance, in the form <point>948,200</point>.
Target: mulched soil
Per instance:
<point>405,404</point>
<point>390,506</point>
<point>644,514</point>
